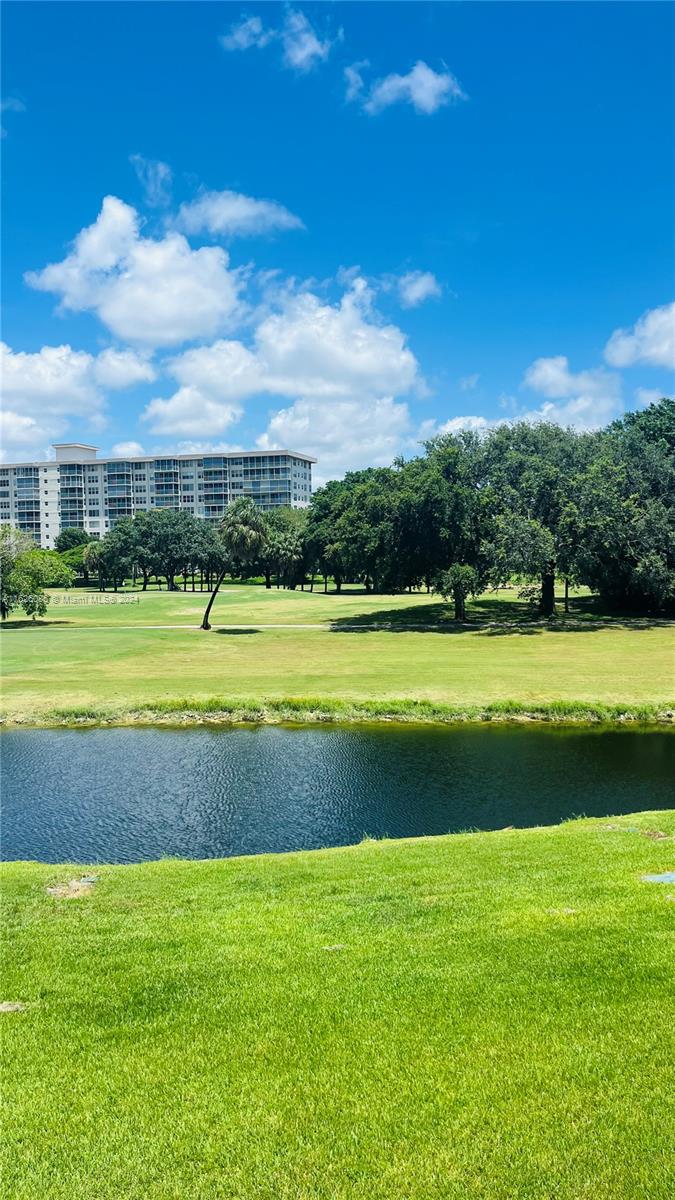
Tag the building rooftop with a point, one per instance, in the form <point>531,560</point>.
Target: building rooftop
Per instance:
<point>81,452</point>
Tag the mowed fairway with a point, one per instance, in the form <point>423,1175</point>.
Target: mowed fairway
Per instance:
<point>484,1016</point>
<point>354,646</point>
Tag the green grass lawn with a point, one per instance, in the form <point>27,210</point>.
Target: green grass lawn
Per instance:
<point>478,1016</point>
<point>366,648</point>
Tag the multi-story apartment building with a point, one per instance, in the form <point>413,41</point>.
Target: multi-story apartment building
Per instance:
<point>78,489</point>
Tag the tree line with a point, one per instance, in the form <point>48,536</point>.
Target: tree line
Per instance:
<point>532,502</point>
<point>529,501</point>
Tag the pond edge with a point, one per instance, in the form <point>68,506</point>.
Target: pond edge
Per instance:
<point>319,710</point>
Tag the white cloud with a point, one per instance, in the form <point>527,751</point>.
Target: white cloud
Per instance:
<point>213,381</point>
<point>651,340</point>
<point>468,382</point>
<point>128,450</point>
<point>226,369</point>
<point>427,90</point>
<point>122,368</point>
<point>344,435</point>
<point>155,178</point>
<point>45,391</point>
<point>41,392</point>
<point>189,411</point>
<point>338,365</point>
<point>457,424</point>
<point>247,33</point>
<point>316,349</point>
<point>586,399</point>
<point>647,396</point>
<point>146,291</point>
<point>56,375</point>
<point>417,286</point>
<point>234,214</point>
<point>354,80</point>
<point>302,48</point>
<point>23,438</point>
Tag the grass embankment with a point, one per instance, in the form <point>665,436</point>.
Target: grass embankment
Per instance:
<point>289,655</point>
<point>477,1016</point>
<point>313,711</point>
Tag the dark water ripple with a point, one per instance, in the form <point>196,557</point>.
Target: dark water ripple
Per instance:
<point>123,795</point>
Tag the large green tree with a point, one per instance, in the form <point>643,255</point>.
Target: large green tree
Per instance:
<point>532,470</point>
<point>620,519</point>
<point>71,537</point>
<point>25,572</point>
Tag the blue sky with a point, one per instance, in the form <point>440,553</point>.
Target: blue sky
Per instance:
<point>339,227</point>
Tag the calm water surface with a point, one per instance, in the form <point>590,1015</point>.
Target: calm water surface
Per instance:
<point>122,795</point>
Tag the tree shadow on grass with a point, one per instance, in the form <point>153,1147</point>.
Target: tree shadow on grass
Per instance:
<point>236,632</point>
<point>497,618</point>
<point>30,624</point>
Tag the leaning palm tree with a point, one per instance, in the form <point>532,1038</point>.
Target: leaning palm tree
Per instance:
<point>243,533</point>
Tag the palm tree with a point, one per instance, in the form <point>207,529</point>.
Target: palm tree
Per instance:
<point>243,533</point>
<point>289,554</point>
<point>91,561</point>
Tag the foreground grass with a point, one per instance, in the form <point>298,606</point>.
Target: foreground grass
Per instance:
<point>363,650</point>
<point>483,1015</point>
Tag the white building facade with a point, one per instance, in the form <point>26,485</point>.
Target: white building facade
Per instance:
<point>77,489</point>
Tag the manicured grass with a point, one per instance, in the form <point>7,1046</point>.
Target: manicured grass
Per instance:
<point>365,649</point>
<point>479,1016</point>
<point>252,604</point>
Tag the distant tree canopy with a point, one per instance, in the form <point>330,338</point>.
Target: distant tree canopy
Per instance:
<point>25,572</point>
<point>526,502</point>
<point>70,538</point>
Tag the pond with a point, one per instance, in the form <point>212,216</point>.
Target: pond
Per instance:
<point>124,795</point>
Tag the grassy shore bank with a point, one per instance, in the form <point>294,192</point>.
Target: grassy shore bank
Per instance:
<point>316,710</point>
<point>477,1016</point>
<point>333,654</point>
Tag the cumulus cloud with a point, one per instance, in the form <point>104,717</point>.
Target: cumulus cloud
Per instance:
<point>344,435</point>
<point>341,368</point>
<point>44,391</point>
<point>651,340</point>
<point>425,89</point>
<point>155,178</point>
<point>122,368</point>
<point>586,399</point>
<point>153,292</point>
<point>583,399</point>
<point>647,396</point>
<point>190,411</point>
<point>41,393</point>
<point>301,47</point>
<point>128,450</point>
<point>233,214</point>
<point>457,424</point>
<point>417,286</point>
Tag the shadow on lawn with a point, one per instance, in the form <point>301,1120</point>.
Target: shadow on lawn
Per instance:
<point>495,618</point>
<point>236,632</point>
<point>31,624</point>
